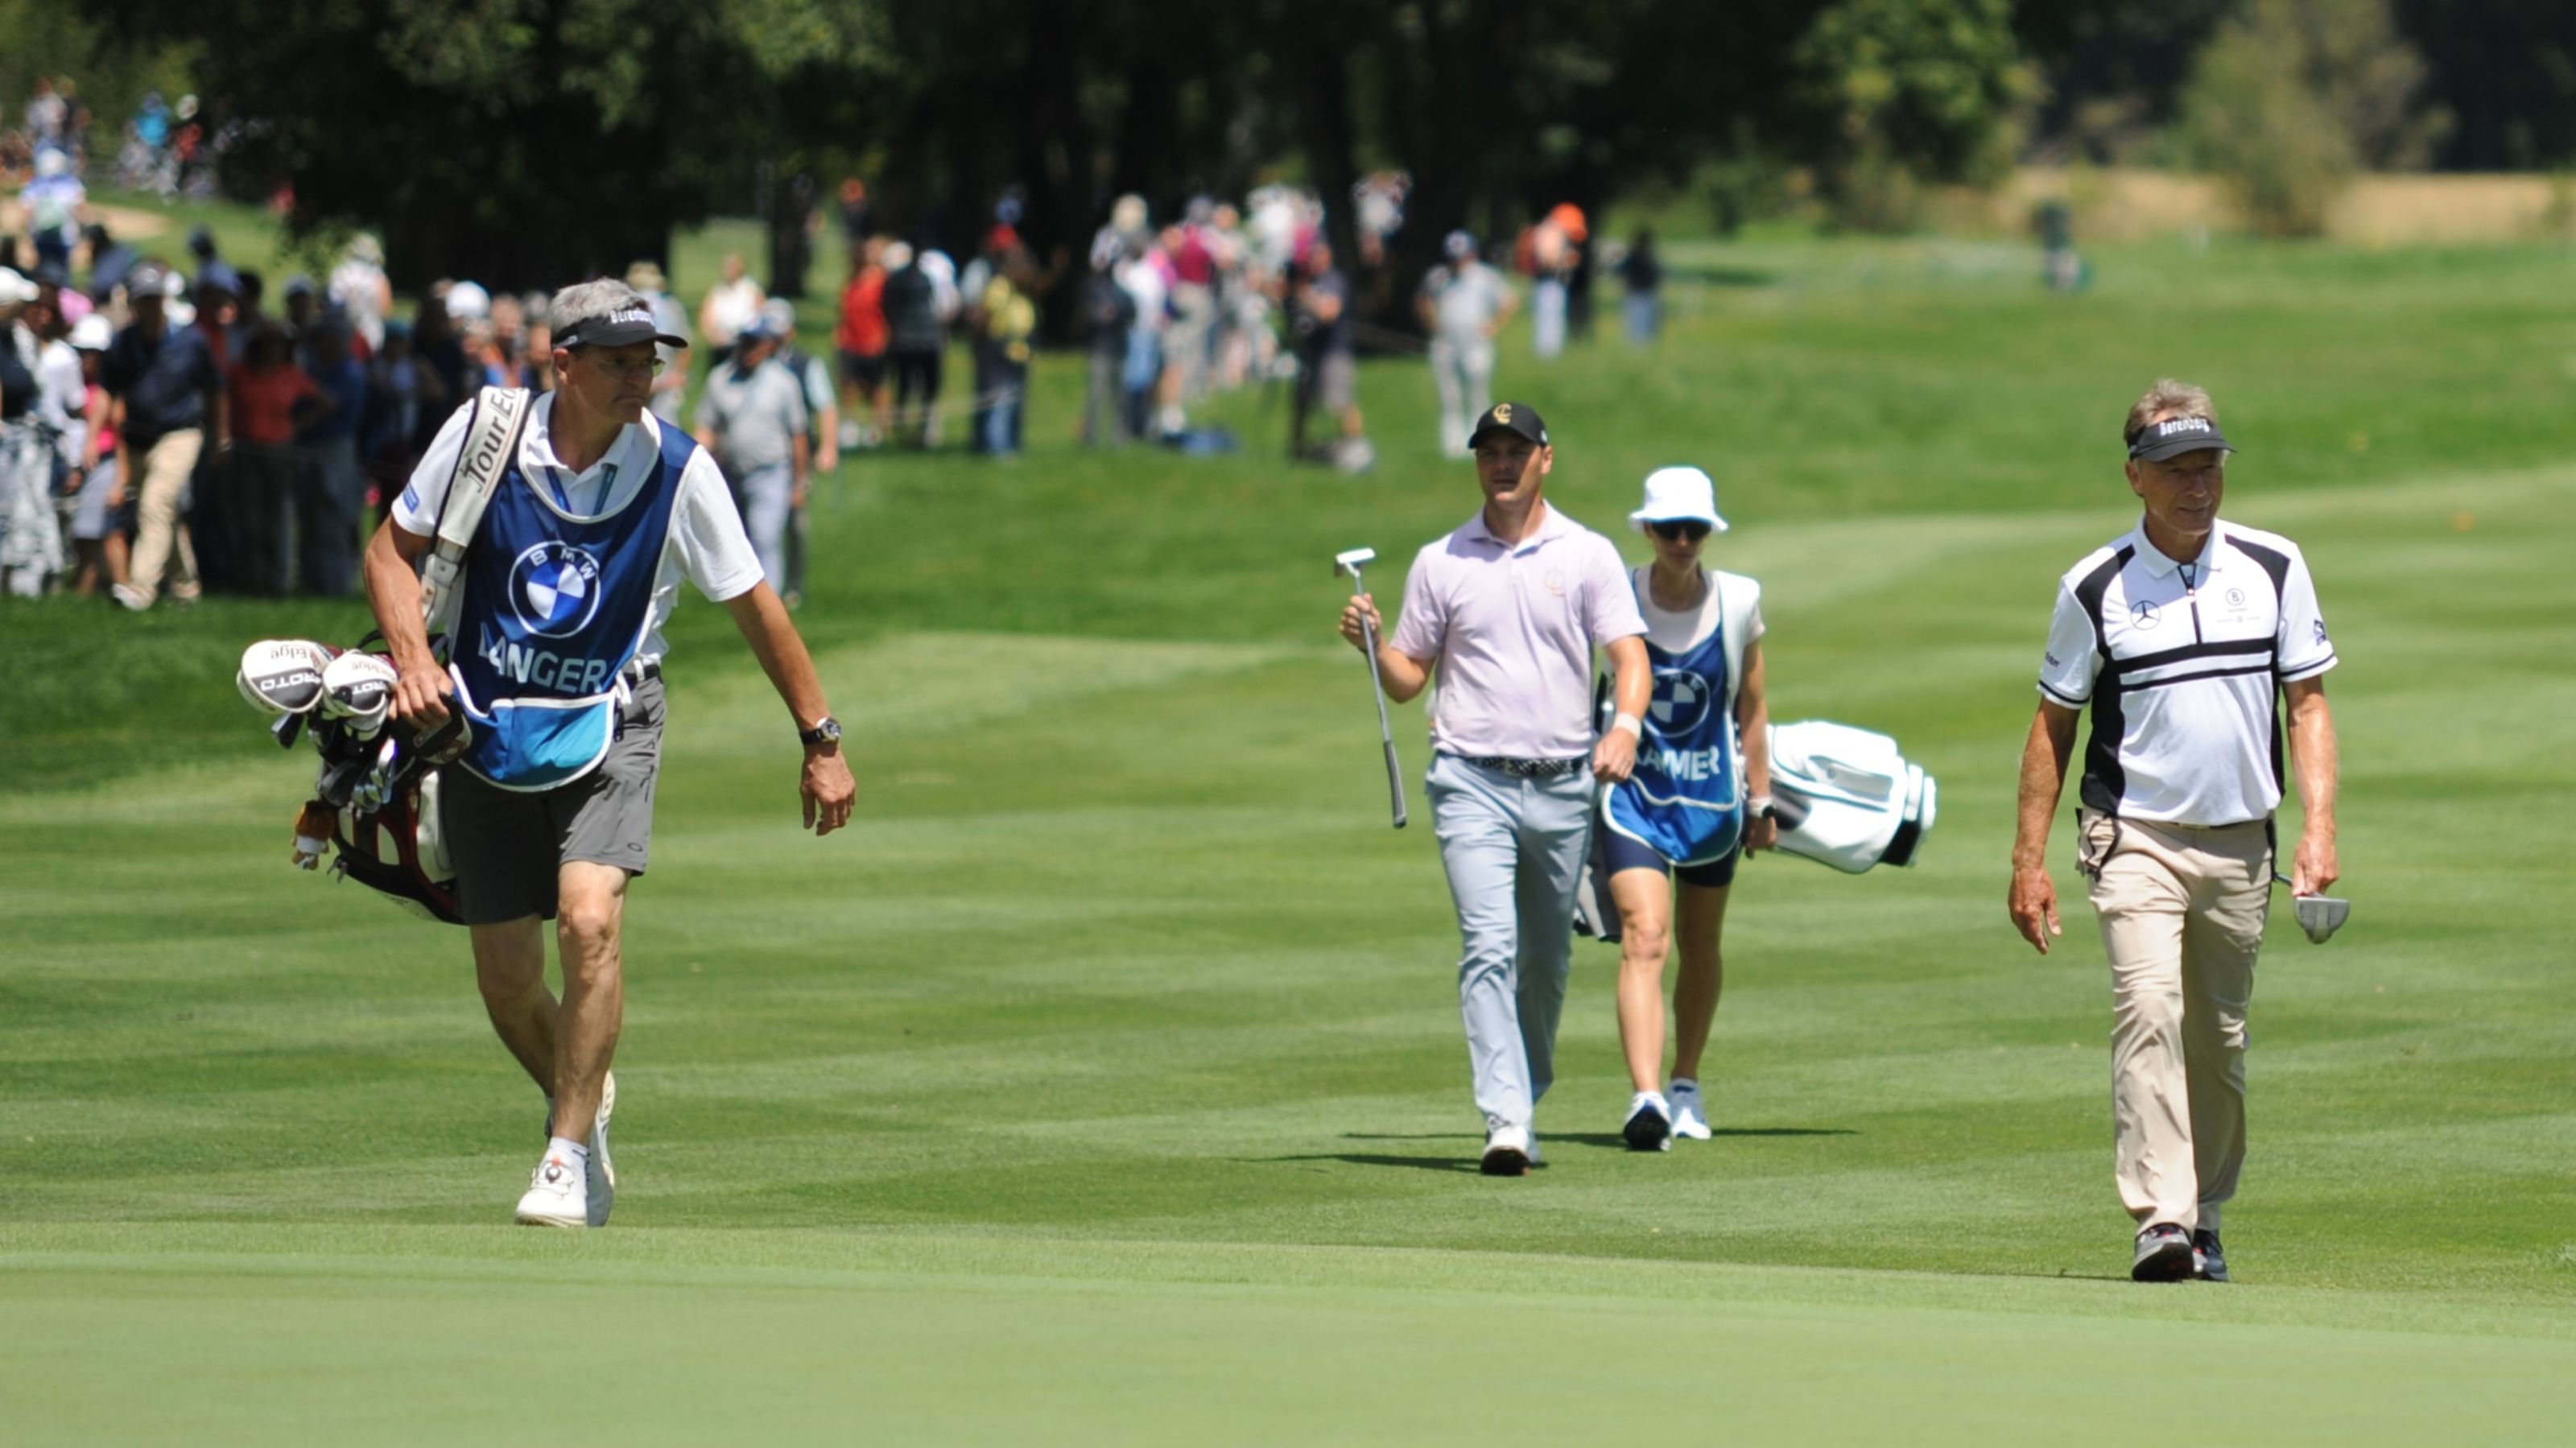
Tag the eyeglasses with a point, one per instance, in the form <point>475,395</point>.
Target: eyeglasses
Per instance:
<point>615,366</point>
<point>1679,530</point>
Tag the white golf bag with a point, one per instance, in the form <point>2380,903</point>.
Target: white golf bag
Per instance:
<point>1846,797</point>
<point>1842,796</point>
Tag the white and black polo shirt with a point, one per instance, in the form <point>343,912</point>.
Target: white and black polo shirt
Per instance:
<point>2183,664</point>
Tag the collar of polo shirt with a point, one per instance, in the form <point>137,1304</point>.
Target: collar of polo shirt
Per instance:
<point>2153,559</point>
<point>1551,524</point>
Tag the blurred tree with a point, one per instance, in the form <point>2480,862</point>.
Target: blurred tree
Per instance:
<point>519,142</point>
<point>1900,92</point>
<point>2505,70</point>
<point>2291,97</point>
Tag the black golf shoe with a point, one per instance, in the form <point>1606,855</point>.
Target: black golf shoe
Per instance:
<point>2209,1260</point>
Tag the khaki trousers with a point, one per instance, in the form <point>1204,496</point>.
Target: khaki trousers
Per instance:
<point>2182,912</point>
<point>165,472</point>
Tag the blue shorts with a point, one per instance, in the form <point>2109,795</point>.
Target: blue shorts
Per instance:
<point>1619,852</point>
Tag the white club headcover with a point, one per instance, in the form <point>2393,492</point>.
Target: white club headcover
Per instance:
<point>359,687</point>
<point>283,676</point>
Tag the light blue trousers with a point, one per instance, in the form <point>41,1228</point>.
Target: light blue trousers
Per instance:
<point>1514,851</point>
<point>765,495</point>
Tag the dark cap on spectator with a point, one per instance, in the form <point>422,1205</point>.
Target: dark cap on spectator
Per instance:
<point>215,276</point>
<point>1517,418</point>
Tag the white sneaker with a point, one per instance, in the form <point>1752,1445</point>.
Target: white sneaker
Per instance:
<point>555,1196</point>
<point>599,1174</point>
<point>1690,1119</point>
<point>130,596</point>
<point>1508,1152</point>
<point>1649,1126</point>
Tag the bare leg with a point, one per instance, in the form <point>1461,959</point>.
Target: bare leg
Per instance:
<point>510,968</point>
<point>1645,934</point>
<point>1702,976</point>
<point>590,904</point>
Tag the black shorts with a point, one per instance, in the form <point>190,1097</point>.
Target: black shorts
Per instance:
<point>864,371</point>
<point>509,845</point>
<point>1619,852</point>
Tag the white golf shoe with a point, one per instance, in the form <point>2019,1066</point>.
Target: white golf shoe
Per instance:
<point>1690,1118</point>
<point>1508,1152</point>
<point>555,1196</point>
<point>599,1173</point>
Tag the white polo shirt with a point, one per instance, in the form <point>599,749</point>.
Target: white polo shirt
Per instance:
<point>2182,666</point>
<point>1511,628</point>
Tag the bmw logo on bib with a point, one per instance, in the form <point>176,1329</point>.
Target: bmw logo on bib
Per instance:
<point>554,587</point>
<point>1680,702</point>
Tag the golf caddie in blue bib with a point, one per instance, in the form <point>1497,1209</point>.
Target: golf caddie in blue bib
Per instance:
<point>591,515</point>
<point>1698,801</point>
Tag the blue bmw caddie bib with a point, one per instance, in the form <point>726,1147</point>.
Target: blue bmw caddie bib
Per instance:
<point>554,608</point>
<point>1683,802</point>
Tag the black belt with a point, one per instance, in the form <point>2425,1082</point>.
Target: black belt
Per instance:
<point>644,673</point>
<point>1526,768</point>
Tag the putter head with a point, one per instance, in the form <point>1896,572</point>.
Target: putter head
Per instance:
<point>1352,561</point>
<point>2320,915</point>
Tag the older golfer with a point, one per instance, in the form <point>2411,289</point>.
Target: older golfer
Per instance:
<point>558,667</point>
<point>2182,637</point>
<point>1508,609</point>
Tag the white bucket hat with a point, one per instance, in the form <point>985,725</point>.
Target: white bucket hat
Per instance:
<point>1673,494</point>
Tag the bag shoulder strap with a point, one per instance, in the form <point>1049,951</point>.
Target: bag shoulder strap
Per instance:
<point>492,435</point>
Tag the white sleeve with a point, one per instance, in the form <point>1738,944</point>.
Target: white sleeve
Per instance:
<point>2073,659</point>
<point>416,511</point>
<point>1754,627</point>
<point>715,551</point>
<point>2301,650</point>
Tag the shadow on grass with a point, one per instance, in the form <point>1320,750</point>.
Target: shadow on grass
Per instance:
<point>1467,1164</point>
<point>1601,1138</point>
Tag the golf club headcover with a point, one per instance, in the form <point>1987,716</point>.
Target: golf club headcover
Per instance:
<point>281,677</point>
<point>359,687</point>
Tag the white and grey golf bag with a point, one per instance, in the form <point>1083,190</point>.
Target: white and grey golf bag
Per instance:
<point>1843,797</point>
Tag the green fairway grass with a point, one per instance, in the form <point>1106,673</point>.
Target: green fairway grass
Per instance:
<point>1104,1084</point>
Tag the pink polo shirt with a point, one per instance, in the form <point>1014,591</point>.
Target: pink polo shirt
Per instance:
<point>1511,631</point>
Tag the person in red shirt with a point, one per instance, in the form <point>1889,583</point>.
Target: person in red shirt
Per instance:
<point>271,397</point>
<point>861,339</point>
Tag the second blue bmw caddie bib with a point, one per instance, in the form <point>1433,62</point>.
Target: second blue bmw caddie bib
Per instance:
<point>1683,802</point>
<point>554,608</point>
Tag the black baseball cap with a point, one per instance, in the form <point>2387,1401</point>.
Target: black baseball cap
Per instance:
<point>2175,436</point>
<point>1517,418</point>
<point>630,322</point>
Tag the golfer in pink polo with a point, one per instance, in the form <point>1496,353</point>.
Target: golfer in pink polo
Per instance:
<point>1508,609</point>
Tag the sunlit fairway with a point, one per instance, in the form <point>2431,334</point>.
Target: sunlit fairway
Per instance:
<point>1104,1082</point>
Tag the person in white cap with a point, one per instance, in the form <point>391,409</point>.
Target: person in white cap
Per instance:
<point>1699,800</point>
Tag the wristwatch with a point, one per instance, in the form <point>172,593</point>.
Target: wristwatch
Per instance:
<point>827,732</point>
<point>1760,804</point>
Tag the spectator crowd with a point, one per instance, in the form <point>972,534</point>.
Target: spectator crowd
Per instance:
<point>165,427</point>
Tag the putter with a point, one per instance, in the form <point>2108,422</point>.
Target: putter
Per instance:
<point>1351,563</point>
<point>2319,915</point>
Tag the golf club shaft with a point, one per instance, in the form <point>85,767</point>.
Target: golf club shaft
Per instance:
<point>1385,731</point>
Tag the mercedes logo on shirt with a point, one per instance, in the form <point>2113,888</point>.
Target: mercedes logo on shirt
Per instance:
<point>2144,614</point>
